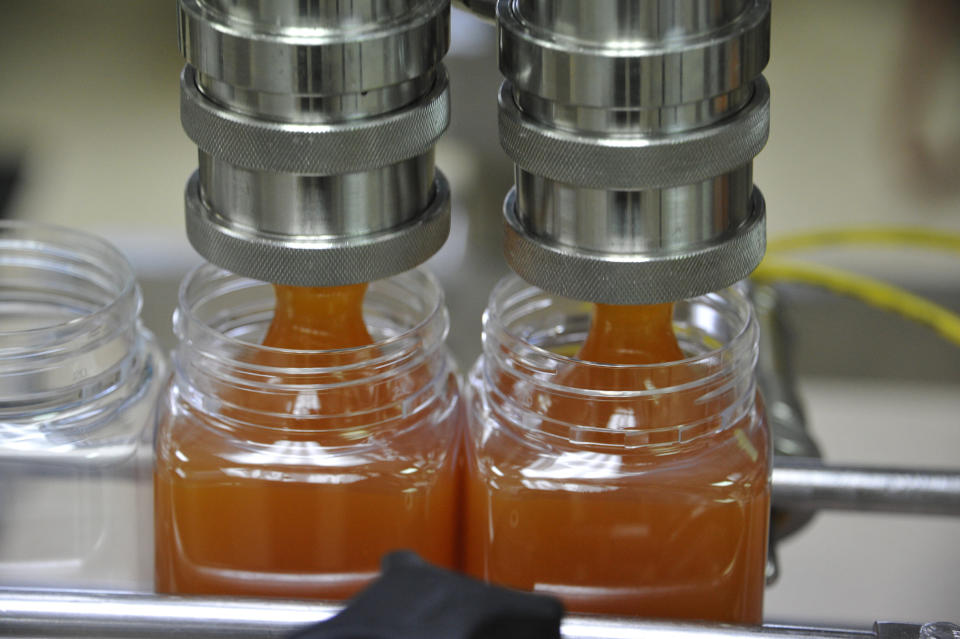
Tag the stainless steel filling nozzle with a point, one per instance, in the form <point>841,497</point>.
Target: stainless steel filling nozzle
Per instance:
<point>633,125</point>
<point>316,123</point>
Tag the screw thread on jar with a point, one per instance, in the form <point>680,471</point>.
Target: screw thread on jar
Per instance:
<point>530,336</point>
<point>220,363</point>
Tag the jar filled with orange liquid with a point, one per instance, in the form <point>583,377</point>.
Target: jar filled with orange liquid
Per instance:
<point>289,469</point>
<point>618,457</point>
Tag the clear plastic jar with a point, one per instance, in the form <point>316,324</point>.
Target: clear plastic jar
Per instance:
<point>79,377</point>
<point>662,510</point>
<point>271,480</point>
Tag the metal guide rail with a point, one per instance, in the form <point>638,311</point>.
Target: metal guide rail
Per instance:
<point>116,616</point>
<point>808,484</point>
<point>805,484</point>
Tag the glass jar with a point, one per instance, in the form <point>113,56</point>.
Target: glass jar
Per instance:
<point>79,378</point>
<point>662,509</point>
<point>291,472</point>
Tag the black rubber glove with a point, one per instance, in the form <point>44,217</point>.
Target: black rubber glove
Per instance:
<point>414,600</point>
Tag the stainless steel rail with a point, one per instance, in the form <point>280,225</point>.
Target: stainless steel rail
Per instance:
<point>113,615</point>
<point>808,484</point>
<point>123,616</point>
<point>799,484</point>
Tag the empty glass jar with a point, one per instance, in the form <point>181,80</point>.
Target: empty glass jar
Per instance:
<point>643,491</point>
<point>79,377</point>
<point>291,472</point>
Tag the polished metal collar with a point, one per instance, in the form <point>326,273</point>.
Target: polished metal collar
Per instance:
<point>316,123</point>
<point>633,125</point>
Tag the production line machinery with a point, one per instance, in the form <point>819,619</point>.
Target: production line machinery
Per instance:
<point>316,122</point>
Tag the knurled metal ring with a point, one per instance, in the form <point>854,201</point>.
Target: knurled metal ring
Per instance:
<point>350,61</point>
<point>306,261</point>
<point>575,72</point>
<point>635,162</point>
<point>314,149</point>
<point>610,278</point>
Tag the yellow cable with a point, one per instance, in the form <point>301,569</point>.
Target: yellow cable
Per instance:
<point>868,290</point>
<point>947,241</point>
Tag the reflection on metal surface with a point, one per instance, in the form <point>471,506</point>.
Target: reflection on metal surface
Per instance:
<point>633,125</point>
<point>809,485</point>
<point>316,124</point>
<point>125,616</point>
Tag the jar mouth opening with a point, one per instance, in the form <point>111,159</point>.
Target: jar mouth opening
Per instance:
<point>224,315</point>
<point>715,330</point>
<point>61,284</point>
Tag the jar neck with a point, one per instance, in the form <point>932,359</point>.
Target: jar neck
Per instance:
<point>224,371</point>
<point>69,332</point>
<point>631,335</point>
<point>533,384</point>
<point>321,318</point>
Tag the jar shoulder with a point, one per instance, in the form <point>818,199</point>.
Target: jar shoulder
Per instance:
<point>735,457</point>
<point>104,429</point>
<point>199,440</point>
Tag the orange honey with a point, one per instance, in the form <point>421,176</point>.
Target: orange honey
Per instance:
<point>299,493</point>
<point>622,506</point>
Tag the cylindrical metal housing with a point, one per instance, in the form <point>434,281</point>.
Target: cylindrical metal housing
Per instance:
<point>634,125</point>
<point>315,123</point>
